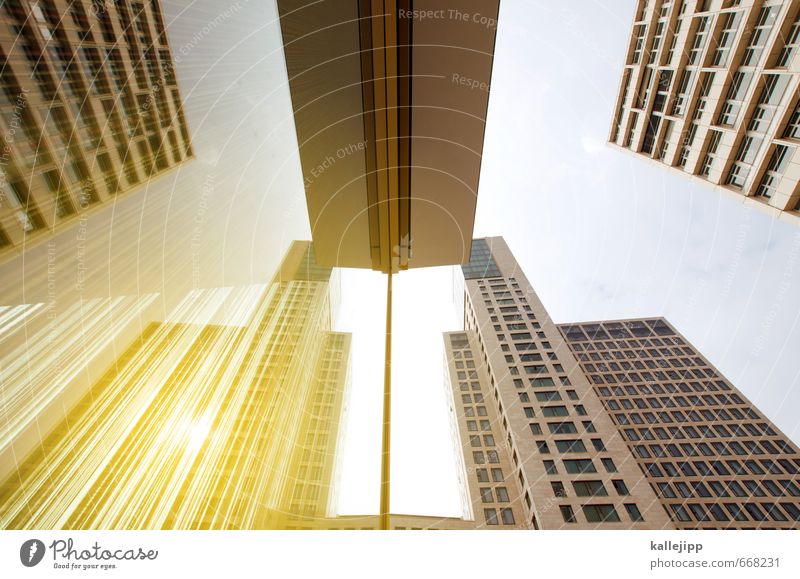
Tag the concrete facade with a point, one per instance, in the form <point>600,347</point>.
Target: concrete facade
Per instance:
<point>710,89</point>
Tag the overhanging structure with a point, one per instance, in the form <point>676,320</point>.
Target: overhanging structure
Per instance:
<point>390,100</point>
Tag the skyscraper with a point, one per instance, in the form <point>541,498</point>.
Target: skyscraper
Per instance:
<point>551,446</point>
<point>710,89</point>
<point>224,415</point>
<point>89,109</point>
<point>567,426</point>
<point>713,459</point>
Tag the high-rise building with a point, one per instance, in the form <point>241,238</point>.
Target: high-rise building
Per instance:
<point>710,88</point>
<point>89,109</point>
<point>539,450</point>
<point>713,459</point>
<point>225,415</point>
<point>567,426</point>
<point>490,495</point>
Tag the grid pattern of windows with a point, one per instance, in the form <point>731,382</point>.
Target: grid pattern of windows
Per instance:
<point>728,60</point>
<point>545,418</point>
<point>702,446</point>
<point>158,444</point>
<point>490,488</point>
<point>89,109</point>
<point>480,263</point>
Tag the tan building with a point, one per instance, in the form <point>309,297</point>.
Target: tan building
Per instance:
<point>710,89</point>
<point>713,459</point>
<point>528,419</point>
<point>89,110</point>
<point>226,415</point>
<point>490,494</point>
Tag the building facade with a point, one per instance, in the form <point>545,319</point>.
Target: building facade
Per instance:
<point>710,89</point>
<point>89,110</point>
<point>712,458</point>
<point>528,420</point>
<point>226,415</point>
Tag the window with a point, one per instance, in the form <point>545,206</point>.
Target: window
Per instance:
<point>727,35</point>
<point>550,396</point>
<point>507,515</point>
<point>790,45</point>
<point>558,489</point>
<point>666,491</point>
<point>568,514</point>
<point>536,429</point>
<point>598,445</point>
<point>679,512</point>
<point>717,512</point>
<point>773,512</point>
<point>755,512</point>
<point>497,475</point>
<point>541,445</point>
<point>502,494</point>
<point>633,512</point>
<point>736,511</point>
<point>638,43</point>
<point>486,495</point>
<point>483,475</point>
<point>711,151</point>
<point>761,32</point>
<point>792,130</point>
<point>699,41</point>
<point>735,97</point>
<point>600,513</point>
<point>540,382</point>
<point>589,488</point>
<point>491,516</point>
<point>562,427</point>
<point>550,467</point>
<point>772,176</point>
<point>609,465</point>
<point>619,486</point>
<point>565,446</point>
<point>551,411</point>
<point>579,466</point>
<point>792,510</point>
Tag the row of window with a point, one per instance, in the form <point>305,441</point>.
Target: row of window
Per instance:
<point>657,376</point>
<point>702,431</point>
<point>579,466</point>
<point>723,489</point>
<point>744,447</point>
<point>663,417</point>
<point>601,513</point>
<point>609,353</point>
<point>506,516</point>
<point>635,333</point>
<point>712,400</point>
<point>720,468</point>
<point>737,512</point>
<point>570,446</point>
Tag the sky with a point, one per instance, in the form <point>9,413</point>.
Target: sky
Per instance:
<point>601,234</point>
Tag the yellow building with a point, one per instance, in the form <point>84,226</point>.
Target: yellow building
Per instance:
<point>226,415</point>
